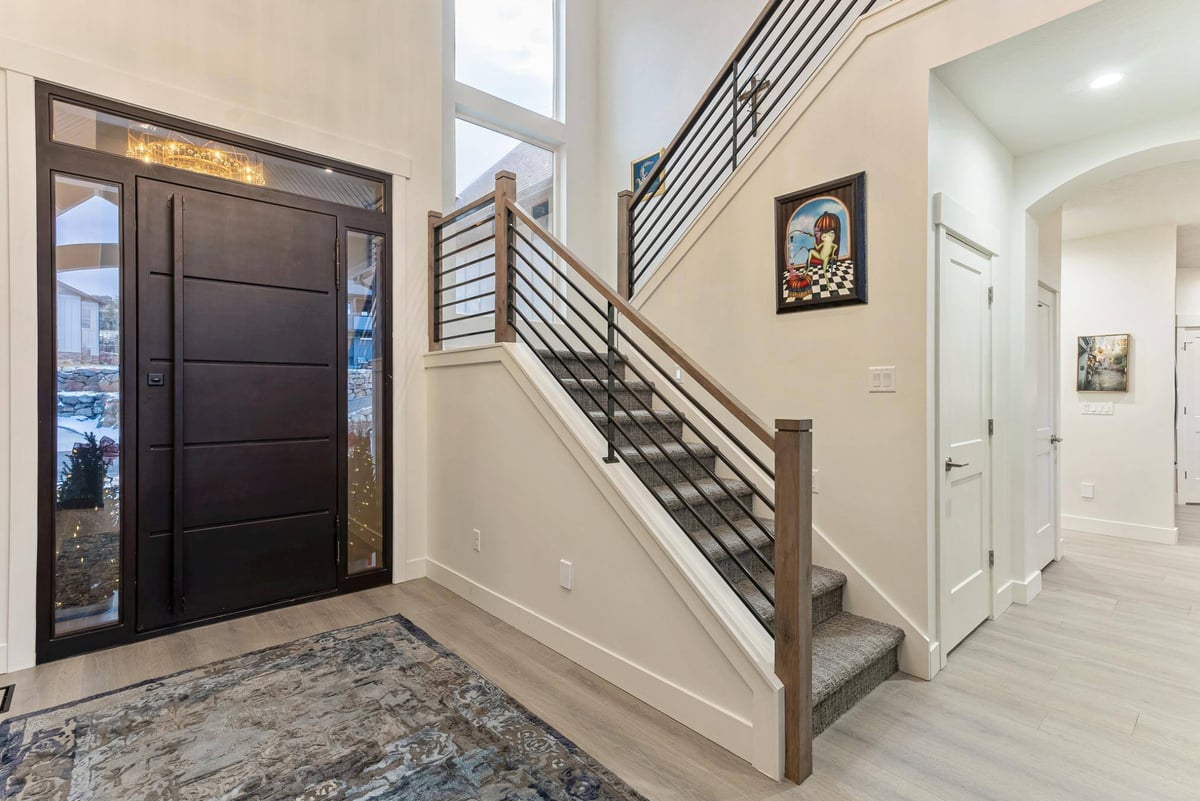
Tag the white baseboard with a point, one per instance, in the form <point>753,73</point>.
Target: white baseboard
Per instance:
<point>415,569</point>
<point>1115,528</point>
<point>719,725</point>
<point>1025,591</point>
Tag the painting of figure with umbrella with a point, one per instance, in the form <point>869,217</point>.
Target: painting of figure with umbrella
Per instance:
<point>821,246</point>
<point>1103,363</point>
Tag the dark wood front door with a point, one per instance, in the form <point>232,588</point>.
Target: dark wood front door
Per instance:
<point>238,390</point>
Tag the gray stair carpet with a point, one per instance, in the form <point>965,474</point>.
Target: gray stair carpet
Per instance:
<point>852,655</point>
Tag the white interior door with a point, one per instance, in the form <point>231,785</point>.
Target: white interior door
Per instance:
<point>1187,425</point>
<point>964,401</point>
<point>1043,547</point>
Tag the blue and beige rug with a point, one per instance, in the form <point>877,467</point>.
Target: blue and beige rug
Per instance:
<point>378,711</point>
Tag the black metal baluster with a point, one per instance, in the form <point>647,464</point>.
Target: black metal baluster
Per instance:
<point>612,376</point>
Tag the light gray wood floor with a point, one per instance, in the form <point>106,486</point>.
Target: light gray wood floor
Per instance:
<point>1091,692</point>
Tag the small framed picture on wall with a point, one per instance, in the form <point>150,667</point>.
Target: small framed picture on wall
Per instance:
<point>821,246</point>
<point>640,171</point>
<point>1103,363</point>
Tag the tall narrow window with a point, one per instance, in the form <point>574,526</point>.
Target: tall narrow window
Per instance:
<point>364,380</point>
<point>87,517</point>
<point>507,48</point>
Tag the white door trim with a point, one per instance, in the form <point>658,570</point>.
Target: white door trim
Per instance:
<point>953,220</point>
<point>1055,297</point>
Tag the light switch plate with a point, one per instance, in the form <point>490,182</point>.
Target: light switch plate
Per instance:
<point>566,574</point>
<point>1087,490</point>
<point>883,379</point>
<point>1097,408</point>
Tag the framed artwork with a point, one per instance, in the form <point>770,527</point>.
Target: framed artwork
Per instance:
<point>640,170</point>
<point>1103,363</point>
<point>821,246</point>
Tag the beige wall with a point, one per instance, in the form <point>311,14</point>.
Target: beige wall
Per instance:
<point>1121,283</point>
<point>363,84</point>
<point>517,460</point>
<point>716,299</point>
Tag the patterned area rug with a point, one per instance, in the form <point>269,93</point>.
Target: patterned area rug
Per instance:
<point>378,711</point>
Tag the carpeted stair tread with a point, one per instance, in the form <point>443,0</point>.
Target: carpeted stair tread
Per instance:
<point>674,498</point>
<point>668,451</point>
<point>651,420</point>
<point>845,646</point>
<point>600,386</point>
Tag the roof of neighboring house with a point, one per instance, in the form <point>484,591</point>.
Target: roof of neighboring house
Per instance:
<point>534,171</point>
<point>66,289</point>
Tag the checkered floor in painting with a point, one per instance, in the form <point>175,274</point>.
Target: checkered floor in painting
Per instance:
<point>839,283</point>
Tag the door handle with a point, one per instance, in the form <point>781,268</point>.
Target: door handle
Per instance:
<point>1054,440</point>
<point>951,465</point>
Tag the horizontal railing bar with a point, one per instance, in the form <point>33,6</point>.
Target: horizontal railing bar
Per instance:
<point>466,210</point>
<point>672,351</point>
<point>678,440</point>
<point>697,198</point>
<point>757,615</point>
<point>679,181</point>
<point>466,317</point>
<point>464,248</point>
<point>674,489</point>
<point>468,282</point>
<point>466,264</point>
<point>485,221</point>
<point>468,334</point>
<point>722,74</point>
<point>556,270</point>
<point>457,301</point>
<point>782,29</point>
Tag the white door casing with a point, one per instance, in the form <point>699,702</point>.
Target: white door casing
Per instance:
<point>964,440</point>
<point>1187,423</point>
<point>1044,545</point>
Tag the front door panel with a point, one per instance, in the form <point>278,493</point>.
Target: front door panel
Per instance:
<point>254,519</point>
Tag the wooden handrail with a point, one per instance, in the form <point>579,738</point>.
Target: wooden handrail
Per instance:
<point>467,209</point>
<point>709,93</point>
<point>723,396</point>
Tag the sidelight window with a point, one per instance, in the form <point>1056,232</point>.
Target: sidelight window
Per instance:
<point>87,510</point>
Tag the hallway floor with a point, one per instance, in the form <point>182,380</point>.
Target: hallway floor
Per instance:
<point>1091,692</point>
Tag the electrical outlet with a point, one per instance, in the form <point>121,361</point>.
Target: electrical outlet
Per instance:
<point>816,482</point>
<point>566,574</point>
<point>477,536</point>
<point>1087,490</point>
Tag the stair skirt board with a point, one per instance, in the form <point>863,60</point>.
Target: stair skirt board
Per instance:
<point>851,655</point>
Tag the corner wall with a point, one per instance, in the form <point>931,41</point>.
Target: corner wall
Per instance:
<point>1121,283</point>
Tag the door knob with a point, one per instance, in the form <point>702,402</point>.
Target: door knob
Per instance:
<point>1054,440</point>
<point>951,465</point>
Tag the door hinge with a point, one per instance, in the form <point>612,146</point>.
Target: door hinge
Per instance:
<point>337,263</point>
<point>337,539</point>
<point>991,558</point>
<point>991,427</point>
<point>991,295</point>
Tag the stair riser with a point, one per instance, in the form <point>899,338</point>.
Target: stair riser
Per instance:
<point>671,473</point>
<point>840,702</point>
<point>597,400</point>
<point>707,511</point>
<point>582,370</point>
<point>826,605</point>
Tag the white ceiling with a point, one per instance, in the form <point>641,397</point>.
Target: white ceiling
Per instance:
<point>1163,196</point>
<point>1032,90</point>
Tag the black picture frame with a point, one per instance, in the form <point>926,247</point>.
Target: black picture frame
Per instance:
<point>839,279</point>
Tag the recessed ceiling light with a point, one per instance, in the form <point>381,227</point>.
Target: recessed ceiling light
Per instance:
<point>1106,80</point>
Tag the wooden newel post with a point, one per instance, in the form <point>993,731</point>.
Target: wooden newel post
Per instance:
<point>435,282</point>
<point>624,244</point>
<point>793,591</point>
<point>506,192</point>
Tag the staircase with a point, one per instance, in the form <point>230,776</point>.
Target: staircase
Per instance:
<point>852,655</point>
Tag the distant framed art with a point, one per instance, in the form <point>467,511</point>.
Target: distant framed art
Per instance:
<point>1103,363</point>
<point>821,246</point>
<point>640,170</point>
